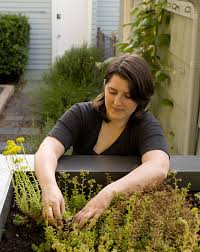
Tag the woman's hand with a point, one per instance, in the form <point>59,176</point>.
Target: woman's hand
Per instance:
<point>53,205</point>
<point>95,207</point>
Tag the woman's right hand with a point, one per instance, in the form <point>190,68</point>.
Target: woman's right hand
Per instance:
<point>53,205</point>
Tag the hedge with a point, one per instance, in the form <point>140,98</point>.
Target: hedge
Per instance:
<point>14,38</point>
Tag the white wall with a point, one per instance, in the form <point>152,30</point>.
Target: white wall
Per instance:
<point>74,26</point>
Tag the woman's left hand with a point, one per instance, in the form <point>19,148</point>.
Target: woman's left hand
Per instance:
<point>95,207</point>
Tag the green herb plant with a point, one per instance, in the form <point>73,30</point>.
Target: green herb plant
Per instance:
<point>26,187</point>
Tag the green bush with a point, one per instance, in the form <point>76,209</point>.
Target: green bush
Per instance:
<point>14,37</point>
<point>73,78</point>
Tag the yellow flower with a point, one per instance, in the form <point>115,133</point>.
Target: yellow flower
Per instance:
<point>12,150</point>
<point>20,140</point>
<point>10,142</point>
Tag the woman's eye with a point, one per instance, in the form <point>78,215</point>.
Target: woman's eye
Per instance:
<point>112,92</point>
<point>128,96</point>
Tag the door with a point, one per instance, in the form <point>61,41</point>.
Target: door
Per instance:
<point>70,24</point>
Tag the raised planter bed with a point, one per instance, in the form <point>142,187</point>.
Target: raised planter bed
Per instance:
<point>187,168</point>
<point>6,91</point>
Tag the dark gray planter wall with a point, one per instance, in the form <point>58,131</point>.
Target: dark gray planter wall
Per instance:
<point>187,167</point>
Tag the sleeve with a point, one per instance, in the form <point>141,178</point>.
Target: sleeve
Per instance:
<point>68,127</point>
<point>151,136</point>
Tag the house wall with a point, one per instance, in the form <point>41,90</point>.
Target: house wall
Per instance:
<point>39,14</point>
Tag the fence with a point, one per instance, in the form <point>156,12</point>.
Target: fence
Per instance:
<point>106,44</point>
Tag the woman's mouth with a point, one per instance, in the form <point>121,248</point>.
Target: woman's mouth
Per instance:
<point>117,109</point>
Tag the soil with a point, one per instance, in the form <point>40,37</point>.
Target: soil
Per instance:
<point>20,238</point>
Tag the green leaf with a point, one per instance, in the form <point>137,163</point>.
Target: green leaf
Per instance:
<point>135,42</point>
<point>167,102</point>
<point>124,25</point>
<point>134,10</point>
<point>122,44</point>
<point>162,40</point>
<point>161,75</point>
<point>167,19</point>
<point>129,48</point>
<point>146,22</point>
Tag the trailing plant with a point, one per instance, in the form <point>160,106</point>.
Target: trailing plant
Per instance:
<point>146,37</point>
<point>14,38</point>
<point>73,78</point>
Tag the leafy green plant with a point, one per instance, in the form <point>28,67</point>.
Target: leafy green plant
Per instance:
<point>146,36</point>
<point>14,38</point>
<point>26,187</point>
<point>74,77</point>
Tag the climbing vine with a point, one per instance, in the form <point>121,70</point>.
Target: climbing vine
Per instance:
<point>149,38</point>
<point>146,37</point>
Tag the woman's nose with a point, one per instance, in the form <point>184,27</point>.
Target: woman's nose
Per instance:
<point>118,100</point>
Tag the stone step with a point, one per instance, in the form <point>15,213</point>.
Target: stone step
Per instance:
<point>16,124</point>
<point>9,116</point>
<point>19,99</point>
<point>18,109</point>
<point>19,131</point>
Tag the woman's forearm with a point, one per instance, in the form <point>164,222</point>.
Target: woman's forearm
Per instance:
<point>146,175</point>
<point>45,166</point>
<point>45,162</point>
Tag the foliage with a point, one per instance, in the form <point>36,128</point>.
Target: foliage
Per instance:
<point>35,140</point>
<point>157,220</point>
<point>161,219</point>
<point>26,187</point>
<point>73,78</point>
<point>146,37</point>
<point>14,38</point>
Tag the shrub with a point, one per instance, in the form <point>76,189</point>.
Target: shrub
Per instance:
<point>73,78</point>
<point>14,37</point>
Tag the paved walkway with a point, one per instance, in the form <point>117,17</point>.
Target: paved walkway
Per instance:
<point>17,117</point>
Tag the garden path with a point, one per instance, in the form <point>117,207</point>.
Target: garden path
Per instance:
<point>17,118</point>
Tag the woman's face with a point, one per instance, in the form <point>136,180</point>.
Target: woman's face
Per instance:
<point>118,101</point>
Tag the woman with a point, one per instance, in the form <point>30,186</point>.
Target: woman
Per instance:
<point>114,124</point>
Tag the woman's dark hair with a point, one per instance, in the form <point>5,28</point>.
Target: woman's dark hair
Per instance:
<point>136,71</point>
